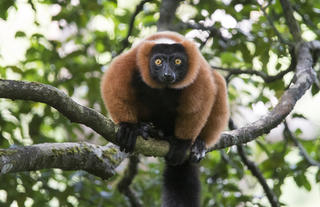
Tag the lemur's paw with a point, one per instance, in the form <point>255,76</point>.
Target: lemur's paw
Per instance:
<point>147,129</point>
<point>178,150</point>
<point>127,134</point>
<point>198,150</point>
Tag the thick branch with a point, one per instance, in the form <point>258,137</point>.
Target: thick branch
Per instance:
<point>97,160</point>
<point>257,173</point>
<point>74,112</point>
<point>167,13</point>
<point>125,182</point>
<point>291,21</point>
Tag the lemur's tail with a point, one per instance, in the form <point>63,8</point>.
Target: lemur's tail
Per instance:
<point>181,185</point>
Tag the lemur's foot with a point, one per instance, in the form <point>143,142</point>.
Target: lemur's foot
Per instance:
<point>198,150</point>
<point>178,150</point>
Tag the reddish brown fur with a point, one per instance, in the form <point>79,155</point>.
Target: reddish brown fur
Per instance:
<point>218,118</point>
<point>116,90</point>
<point>203,110</point>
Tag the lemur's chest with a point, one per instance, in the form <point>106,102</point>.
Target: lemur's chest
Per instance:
<point>160,102</point>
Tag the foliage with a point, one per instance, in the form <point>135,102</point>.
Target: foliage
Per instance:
<point>95,31</point>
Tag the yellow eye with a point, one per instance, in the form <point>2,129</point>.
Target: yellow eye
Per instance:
<point>158,61</point>
<point>177,61</point>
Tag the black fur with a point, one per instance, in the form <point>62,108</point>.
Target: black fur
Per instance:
<point>181,186</point>
<point>181,182</point>
<point>162,104</point>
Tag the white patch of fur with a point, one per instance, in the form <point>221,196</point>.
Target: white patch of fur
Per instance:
<point>165,41</point>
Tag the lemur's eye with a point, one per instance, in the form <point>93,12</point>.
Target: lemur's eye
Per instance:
<point>177,61</point>
<point>158,61</point>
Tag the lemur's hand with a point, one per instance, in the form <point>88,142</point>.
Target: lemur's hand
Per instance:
<point>127,134</point>
<point>149,130</point>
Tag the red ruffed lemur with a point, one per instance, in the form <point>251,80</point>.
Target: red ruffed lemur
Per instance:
<point>165,80</point>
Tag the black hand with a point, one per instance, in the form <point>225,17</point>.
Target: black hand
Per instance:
<point>178,150</point>
<point>128,133</point>
<point>149,130</point>
<point>198,150</point>
<point>127,136</point>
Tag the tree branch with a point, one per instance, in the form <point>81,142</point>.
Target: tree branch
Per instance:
<point>281,39</point>
<point>125,182</point>
<point>306,19</point>
<point>74,112</point>
<point>212,30</point>
<point>139,7</point>
<point>303,152</point>
<point>305,76</point>
<point>97,160</point>
<point>52,96</point>
<point>257,173</point>
<point>267,78</point>
<point>167,13</point>
<point>291,21</point>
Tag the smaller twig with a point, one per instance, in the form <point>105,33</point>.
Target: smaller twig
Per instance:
<point>288,134</point>
<point>228,160</point>
<point>264,76</point>
<point>306,20</point>
<point>257,173</point>
<point>125,182</point>
<point>291,21</point>
<point>204,42</point>
<point>282,40</point>
<point>139,7</point>
<point>167,14</point>
<point>212,30</point>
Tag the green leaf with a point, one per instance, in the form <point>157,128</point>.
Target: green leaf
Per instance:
<point>4,6</point>
<point>228,58</point>
<point>297,115</point>
<point>302,181</point>
<point>314,89</point>
<point>278,86</point>
<point>318,176</point>
<point>298,131</point>
<point>20,34</point>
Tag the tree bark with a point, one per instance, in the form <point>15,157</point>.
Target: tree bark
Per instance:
<point>167,13</point>
<point>100,161</point>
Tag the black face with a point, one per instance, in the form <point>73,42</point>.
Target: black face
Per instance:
<point>168,63</point>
